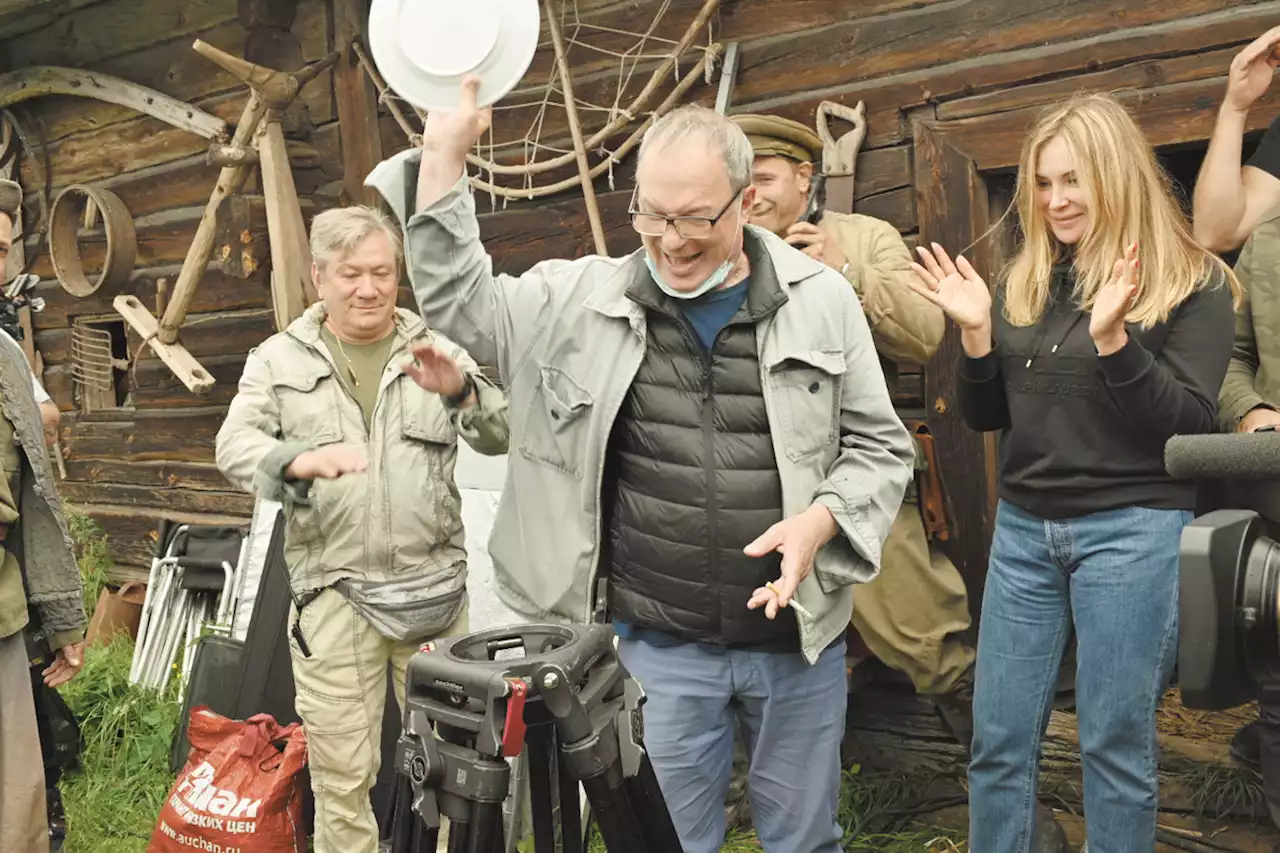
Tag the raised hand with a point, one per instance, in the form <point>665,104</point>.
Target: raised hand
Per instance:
<point>434,371</point>
<point>956,287</point>
<point>453,132</point>
<point>1252,69</point>
<point>1112,303</point>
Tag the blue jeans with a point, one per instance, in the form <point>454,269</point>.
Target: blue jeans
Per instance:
<point>1115,574</point>
<point>792,716</point>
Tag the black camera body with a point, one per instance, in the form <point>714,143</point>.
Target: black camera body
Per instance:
<point>1230,631</point>
<point>1229,569</point>
<point>16,296</point>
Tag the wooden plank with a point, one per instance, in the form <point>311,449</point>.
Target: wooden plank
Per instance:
<point>132,531</point>
<point>897,207</point>
<point>147,327</point>
<point>105,30</point>
<point>357,103</point>
<point>180,500</point>
<point>180,436</point>
<point>952,205</point>
<point>157,475</point>
<point>736,20</point>
<point>218,291</point>
<point>155,387</point>
<point>24,16</point>
<point>169,66</point>
<point>290,255</point>
<point>1142,74</point>
<point>1169,115</point>
<point>916,38</point>
<point>215,334</point>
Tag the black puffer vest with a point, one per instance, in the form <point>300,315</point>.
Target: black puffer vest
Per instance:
<point>694,478</point>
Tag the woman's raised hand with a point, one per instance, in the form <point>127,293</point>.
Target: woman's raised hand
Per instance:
<point>956,287</point>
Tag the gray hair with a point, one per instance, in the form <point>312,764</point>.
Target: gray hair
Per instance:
<point>337,231</point>
<point>719,132</point>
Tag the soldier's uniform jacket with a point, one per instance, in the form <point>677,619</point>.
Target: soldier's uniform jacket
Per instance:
<point>905,326</point>
<point>1253,377</point>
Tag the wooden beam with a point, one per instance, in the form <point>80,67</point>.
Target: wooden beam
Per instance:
<point>951,202</point>
<point>290,254</point>
<point>181,362</point>
<point>357,103</point>
<point>230,179</point>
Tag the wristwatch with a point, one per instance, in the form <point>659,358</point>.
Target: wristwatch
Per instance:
<point>455,400</point>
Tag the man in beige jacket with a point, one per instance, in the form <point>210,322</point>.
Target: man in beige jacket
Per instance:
<point>915,615</point>
<point>351,417</point>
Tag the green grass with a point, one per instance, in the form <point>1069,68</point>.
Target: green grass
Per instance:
<point>113,801</point>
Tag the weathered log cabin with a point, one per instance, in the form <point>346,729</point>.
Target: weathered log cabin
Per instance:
<point>948,86</point>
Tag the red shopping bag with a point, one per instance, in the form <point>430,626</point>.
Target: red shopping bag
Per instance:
<point>238,792</point>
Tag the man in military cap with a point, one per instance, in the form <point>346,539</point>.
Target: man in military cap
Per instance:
<point>914,615</point>
<point>39,582</point>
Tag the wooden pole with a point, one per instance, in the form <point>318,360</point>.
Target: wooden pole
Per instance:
<point>230,179</point>
<point>579,148</point>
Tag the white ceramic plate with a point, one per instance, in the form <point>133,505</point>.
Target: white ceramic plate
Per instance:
<point>424,48</point>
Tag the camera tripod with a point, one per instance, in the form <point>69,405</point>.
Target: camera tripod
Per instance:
<point>569,710</point>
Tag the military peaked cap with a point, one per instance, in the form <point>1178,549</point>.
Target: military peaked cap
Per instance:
<point>774,136</point>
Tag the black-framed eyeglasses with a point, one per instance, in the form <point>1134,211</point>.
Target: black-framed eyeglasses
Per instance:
<point>688,227</point>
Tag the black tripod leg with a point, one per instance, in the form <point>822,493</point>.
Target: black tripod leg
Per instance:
<point>486,828</point>
<point>570,807</point>
<point>655,819</point>
<point>538,746</point>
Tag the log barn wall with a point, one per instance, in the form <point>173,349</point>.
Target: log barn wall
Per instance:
<point>154,457</point>
<point>949,87</point>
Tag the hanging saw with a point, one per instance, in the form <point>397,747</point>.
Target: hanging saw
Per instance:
<point>839,158</point>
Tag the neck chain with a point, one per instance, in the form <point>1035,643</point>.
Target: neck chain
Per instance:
<point>351,368</point>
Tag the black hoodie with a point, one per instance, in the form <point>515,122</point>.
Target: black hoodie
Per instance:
<point>1081,432</point>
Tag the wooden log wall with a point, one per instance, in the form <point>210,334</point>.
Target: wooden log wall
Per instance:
<point>154,457</point>
<point>965,74</point>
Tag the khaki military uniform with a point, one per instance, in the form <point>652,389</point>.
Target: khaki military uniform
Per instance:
<point>914,614</point>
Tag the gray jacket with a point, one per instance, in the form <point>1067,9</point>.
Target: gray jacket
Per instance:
<point>568,343</point>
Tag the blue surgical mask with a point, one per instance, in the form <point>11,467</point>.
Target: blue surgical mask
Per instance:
<point>709,284</point>
<point>712,281</point>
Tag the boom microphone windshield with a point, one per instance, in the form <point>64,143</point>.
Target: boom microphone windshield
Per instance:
<point>1237,456</point>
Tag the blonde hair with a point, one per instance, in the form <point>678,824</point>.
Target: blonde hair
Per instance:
<point>337,231</point>
<point>1131,198</point>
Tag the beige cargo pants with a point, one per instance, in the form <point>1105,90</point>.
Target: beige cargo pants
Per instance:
<point>24,823</point>
<point>912,616</point>
<point>341,693</point>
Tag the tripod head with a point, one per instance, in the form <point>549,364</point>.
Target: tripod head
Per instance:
<point>471,702</point>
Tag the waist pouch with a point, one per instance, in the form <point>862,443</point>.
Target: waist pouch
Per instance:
<point>412,609</point>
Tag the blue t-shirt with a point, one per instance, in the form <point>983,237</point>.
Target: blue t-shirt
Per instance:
<point>711,312</point>
<point>708,314</point>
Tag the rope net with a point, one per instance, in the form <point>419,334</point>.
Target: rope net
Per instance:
<point>650,74</point>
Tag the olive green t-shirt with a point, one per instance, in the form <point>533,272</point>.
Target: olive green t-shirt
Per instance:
<point>360,366</point>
